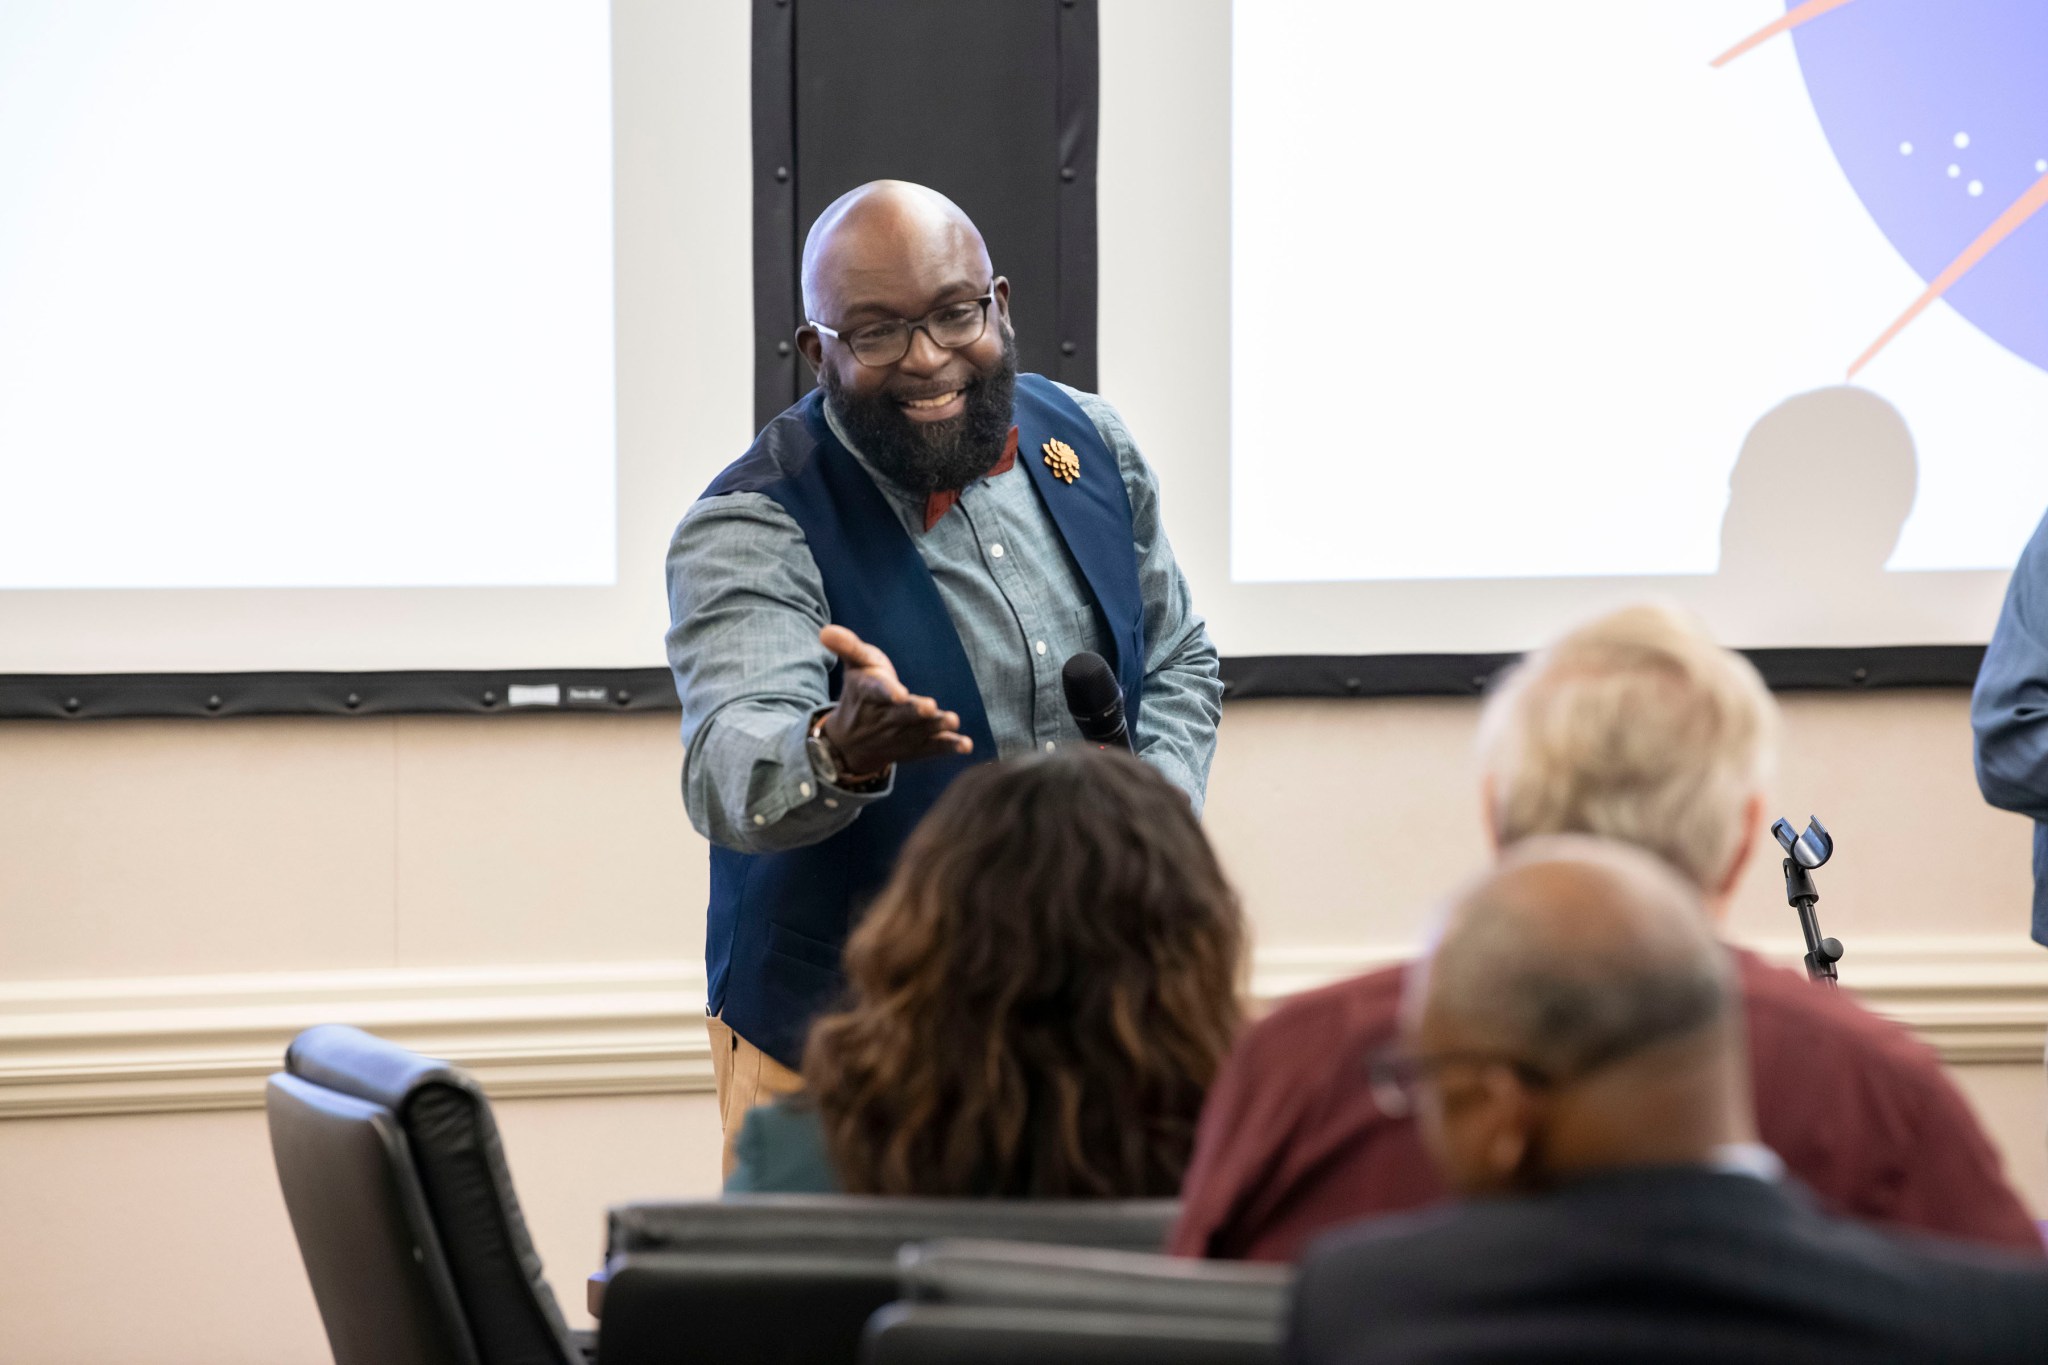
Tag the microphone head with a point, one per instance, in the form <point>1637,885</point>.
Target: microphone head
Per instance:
<point>1089,684</point>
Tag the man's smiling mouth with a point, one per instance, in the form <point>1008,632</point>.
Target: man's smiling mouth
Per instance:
<point>936,407</point>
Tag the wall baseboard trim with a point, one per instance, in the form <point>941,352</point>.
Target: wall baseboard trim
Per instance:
<point>169,1044</point>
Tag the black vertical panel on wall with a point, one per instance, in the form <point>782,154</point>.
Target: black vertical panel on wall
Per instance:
<point>990,102</point>
<point>1080,84</point>
<point>777,308</point>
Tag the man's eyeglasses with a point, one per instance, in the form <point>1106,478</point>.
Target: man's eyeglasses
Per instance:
<point>1396,1074</point>
<point>950,326</point>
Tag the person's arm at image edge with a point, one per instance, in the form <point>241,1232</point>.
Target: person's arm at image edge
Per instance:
<point>746,605</point>
<point>2009,707</point>
<point>1183,698</point>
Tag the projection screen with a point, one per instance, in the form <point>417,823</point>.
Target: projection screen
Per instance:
<point>377,335</point>
<point>397,336</point>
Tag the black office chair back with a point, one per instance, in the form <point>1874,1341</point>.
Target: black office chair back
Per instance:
<point>793,1279</point>
<point>1006,1303</point>
<point>399,1194</point>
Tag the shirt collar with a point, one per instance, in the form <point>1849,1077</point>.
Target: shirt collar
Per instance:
<point>1747,1158</point>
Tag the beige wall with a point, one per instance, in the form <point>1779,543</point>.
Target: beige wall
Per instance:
<point>144,848</point>
<point>160,1239</point>
<point>523,893</point>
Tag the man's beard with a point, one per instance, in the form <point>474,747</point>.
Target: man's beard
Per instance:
<point>932,457</point>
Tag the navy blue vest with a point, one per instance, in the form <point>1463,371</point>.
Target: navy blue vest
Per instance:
<point>777,921</point>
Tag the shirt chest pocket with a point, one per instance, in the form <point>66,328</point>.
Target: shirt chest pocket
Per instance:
<point>1079,627</point>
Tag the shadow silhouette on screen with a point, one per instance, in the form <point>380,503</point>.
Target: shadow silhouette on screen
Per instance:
<point>1817,498</point>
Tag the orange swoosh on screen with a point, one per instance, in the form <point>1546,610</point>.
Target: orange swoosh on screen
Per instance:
<point>2023,208</point>
<point>1791,19</point>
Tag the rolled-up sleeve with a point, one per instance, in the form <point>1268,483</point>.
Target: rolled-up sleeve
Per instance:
<point>1183,698</point>
<point>746,604</point>
<point>2009,707</point>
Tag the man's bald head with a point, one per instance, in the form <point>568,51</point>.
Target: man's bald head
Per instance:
<point>1577,1015</point>
<point>878,229</point>
<point>1575,952</point>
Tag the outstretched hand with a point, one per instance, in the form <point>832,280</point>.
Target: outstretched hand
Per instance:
<point>878,721</point>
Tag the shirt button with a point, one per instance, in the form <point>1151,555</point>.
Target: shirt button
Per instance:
<point>1049,747</point>
<point>831,803</point>
<point>804,790</point>
<point>995,551</point>
<point>1040,646</point>
<point>762,819</point>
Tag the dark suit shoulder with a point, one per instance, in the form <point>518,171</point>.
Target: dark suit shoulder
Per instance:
<point>1672,1264</point>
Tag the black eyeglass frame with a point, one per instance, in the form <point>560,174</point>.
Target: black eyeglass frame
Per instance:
<point>1393,1071</point>
<point>911,326</point>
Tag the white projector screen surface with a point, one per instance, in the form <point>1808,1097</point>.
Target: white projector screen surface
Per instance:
<point>381,335</point>
<point>282,308</point>
<point>1513,283</point>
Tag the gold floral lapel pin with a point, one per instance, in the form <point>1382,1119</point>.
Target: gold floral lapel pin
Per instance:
<point>1061,460</point>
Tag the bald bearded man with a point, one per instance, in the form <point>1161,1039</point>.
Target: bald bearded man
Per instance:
<point>883,590</point>
<point>1573,1048</point>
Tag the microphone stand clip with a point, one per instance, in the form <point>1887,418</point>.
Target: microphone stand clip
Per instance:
<point>1805,852</point>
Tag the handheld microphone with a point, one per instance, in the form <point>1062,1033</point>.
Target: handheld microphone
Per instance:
<point>1096,702</point>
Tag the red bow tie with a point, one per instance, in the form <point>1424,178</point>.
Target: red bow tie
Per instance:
<point>938,504</point>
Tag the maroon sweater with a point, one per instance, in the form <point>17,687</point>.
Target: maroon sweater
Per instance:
<point>1290,1142</point>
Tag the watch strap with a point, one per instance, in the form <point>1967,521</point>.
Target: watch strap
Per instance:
<point>839,777</point>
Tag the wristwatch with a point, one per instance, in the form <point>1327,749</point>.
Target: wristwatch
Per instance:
<point>826,763</point>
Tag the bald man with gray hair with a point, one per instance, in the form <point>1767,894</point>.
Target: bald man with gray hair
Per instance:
<point>1574,1050</point>
<point>1635,727</point>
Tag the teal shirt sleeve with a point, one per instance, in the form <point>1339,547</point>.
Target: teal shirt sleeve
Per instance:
<point>781,1150</point>
<point>745,606</point>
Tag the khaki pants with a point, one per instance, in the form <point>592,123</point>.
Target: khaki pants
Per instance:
<point>746,1077</point>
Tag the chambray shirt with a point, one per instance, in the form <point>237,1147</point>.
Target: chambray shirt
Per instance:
<point>746,604</point>
<point>2009,710</point>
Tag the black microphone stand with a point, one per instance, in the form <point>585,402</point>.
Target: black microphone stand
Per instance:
<point>1805,852</point>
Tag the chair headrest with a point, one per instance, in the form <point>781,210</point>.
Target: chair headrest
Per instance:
<point>878,1225</point>
<point>339,1057</point>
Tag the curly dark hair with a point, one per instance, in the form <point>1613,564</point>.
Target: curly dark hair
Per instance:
<point>1041,994</point>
